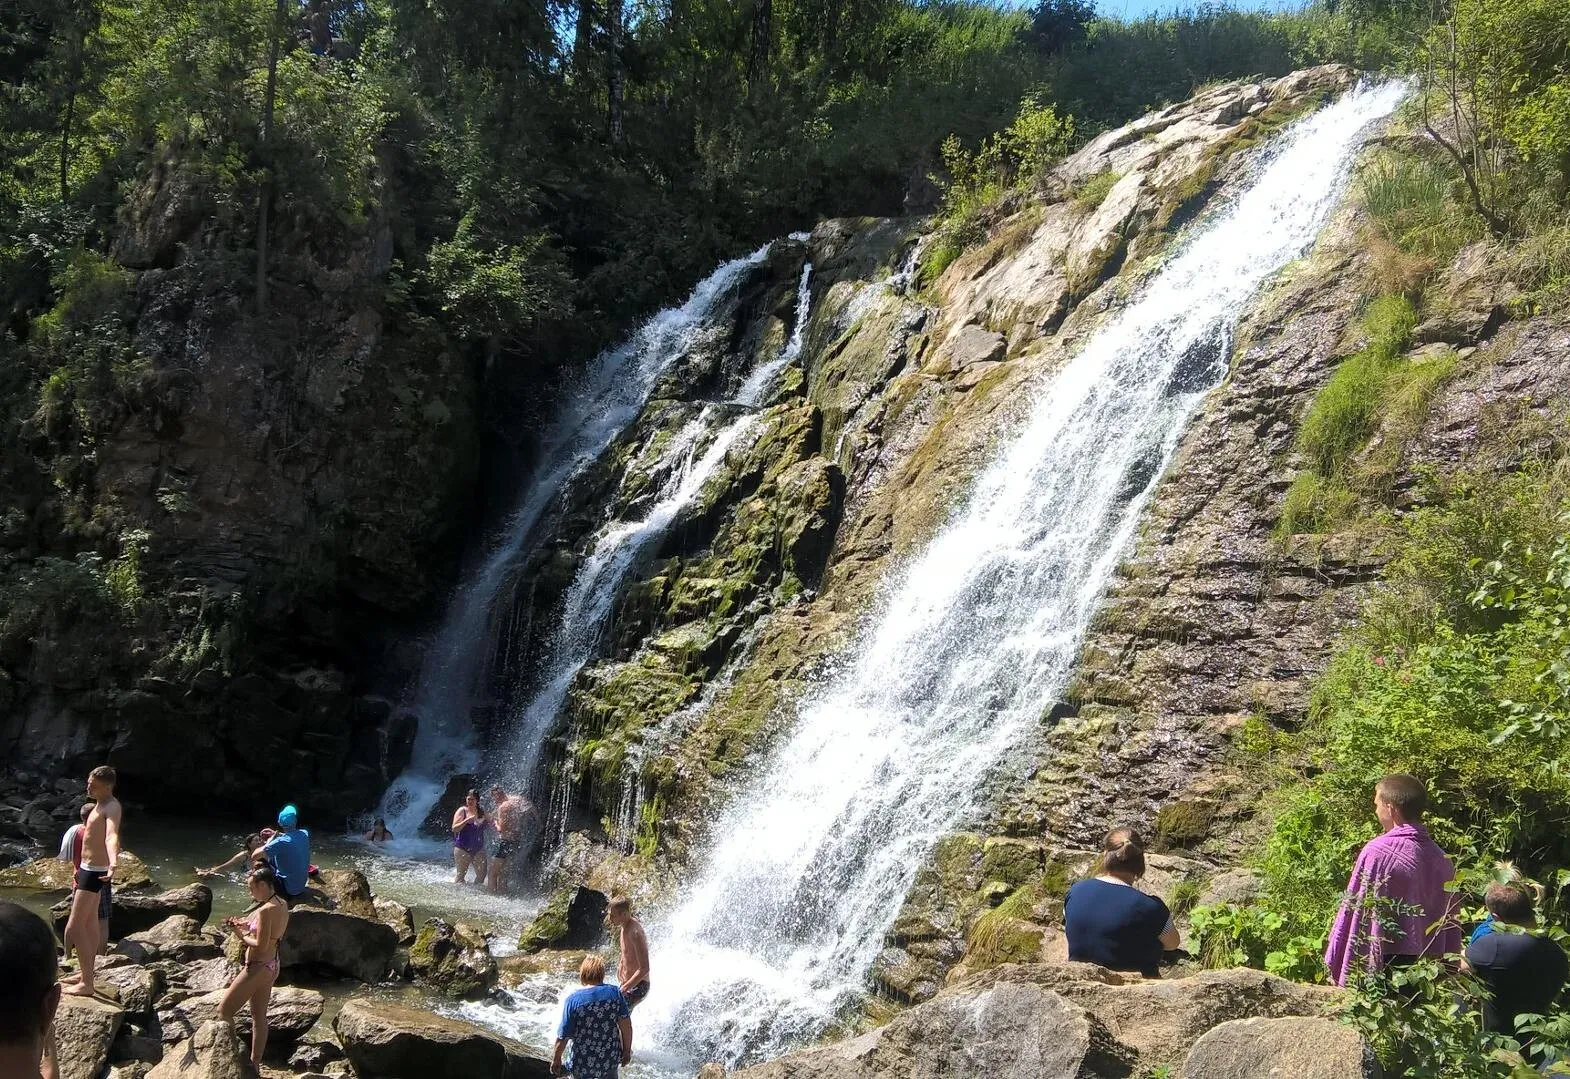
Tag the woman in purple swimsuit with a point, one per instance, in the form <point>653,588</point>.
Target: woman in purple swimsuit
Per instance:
<point>468,839</point>
<point>260,931</point>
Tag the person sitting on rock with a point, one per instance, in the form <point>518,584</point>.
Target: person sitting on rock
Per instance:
<point>246,857</point>
<point>378,832</point>
<point>29,994</point>
<point>260,931</point>
<point>1111,923</point>
<point>1523,971</point>
<point>598,1023</point>
<point>288,852</point>
<point>1396,908</point>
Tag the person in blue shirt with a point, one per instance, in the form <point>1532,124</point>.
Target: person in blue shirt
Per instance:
<point>598,1022</point>
<point>1111,923</point>
<point>289,853</point>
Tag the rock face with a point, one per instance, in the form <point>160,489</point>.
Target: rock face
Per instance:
<point>454,958</point>
<point>1281,1049</point>
<point>339,944</point>
<point>390,1041</point>
<point>84,1031</point>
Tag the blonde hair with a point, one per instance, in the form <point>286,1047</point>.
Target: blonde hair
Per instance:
<point>592,970</point>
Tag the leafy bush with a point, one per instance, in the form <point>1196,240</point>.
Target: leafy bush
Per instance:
<point>1343,415</point>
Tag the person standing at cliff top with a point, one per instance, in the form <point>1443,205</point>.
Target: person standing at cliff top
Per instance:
<point>94,894</point>
<point>1396,907</point>
<point>633,969</point>
<point>29,995</point>
<point>598,1022</point>
<point>288,851</point>
<point>512,813</point>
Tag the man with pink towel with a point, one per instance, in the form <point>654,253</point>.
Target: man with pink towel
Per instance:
<point>1396,906</point>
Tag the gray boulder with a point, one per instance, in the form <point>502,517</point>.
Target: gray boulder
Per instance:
<point>85,1028</point>
<point>390,1041</point>
<point>213,1052</point>
<point>1291,1048</point>
<point>178,938</point>
<point>341,944</point>
<point>135,912</point>
<point>396,915</point>
<point>290,1014</point>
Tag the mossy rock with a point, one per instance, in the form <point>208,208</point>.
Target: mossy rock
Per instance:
<point>1013,861</point>
<point>53,875</point>
<point>1183,824</point>
<point>455,959</point>
<point>573,917</point>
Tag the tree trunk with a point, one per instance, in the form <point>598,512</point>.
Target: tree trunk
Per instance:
<point>613,21</point>
<point>762,39</point>
<point>583,38</point>
<point>78,46</point>
<point>265,199</point>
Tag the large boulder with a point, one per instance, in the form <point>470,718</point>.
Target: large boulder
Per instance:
<point>84,1030</point>
<point>135,912</point>
<point>53,875</point>
<point>349,891</point>
<point>396,915</point>
<point>177,938</point>
<point>1291,1048</point>
<point>389,1041</point>
<point>453,958</point>
<point>573,918</point>
<point>340,944</point>
<point>291,1013</point>
<point>213,1052</point>
<point>1006,1031</point>
<point>134,987</point>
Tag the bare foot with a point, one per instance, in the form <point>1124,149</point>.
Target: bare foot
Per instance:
<point>77,990</point>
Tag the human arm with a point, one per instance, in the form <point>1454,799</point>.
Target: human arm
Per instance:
<point>233,861</point>
<point>1170,938</point>
<point>624,1024</point>
<point>561,1047</point>
<point>112,838</point>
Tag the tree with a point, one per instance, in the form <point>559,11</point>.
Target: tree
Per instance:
<point>1057,24</point>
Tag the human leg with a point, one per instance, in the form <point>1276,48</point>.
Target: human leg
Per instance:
<point>498,871</point>
<point>260,998</point>
<point>461,859</point>
<point>81,929</point>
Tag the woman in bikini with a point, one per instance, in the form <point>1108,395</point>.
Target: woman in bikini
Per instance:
<point>260,931</point>
<point>468,839</point>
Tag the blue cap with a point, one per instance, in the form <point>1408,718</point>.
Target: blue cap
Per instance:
<point>288,817</point>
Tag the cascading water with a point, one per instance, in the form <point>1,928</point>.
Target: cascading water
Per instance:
<point>456,665</point>
<point>978,634</point>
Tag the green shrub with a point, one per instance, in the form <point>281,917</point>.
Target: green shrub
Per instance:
<point>1093,192</point>
<point>1315,504</point>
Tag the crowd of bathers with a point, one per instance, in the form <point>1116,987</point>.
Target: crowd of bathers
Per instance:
<point>1399,907</point>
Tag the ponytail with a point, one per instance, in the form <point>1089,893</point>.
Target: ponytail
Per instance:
<point>1122,852</point>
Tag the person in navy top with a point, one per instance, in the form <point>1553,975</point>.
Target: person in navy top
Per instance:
<point>598,1022</point>
<point>1523,971</point>
<point>1111,923</point>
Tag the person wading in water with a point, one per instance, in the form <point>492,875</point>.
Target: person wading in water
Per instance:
<point>94,895</point>
<point>468,839</point>
<point>511,816</point>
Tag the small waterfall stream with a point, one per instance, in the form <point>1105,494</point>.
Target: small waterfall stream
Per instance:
<point>976,636</point>
<point>457,663</point>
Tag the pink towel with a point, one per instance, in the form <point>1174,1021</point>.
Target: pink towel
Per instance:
<point>1399,880</point>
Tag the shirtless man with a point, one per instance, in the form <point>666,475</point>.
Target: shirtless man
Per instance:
<point>510,815</point>
<point>632,971</point>
<point>94,894</point>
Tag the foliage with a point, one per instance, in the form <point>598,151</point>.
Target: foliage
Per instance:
<point>1093,192</point>
<point>1343,415</point>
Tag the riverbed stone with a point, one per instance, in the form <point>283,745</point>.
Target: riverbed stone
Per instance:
<point>392,1041</point>
<point>341,944</point>
<point>135,987</point>
<point>291,1012</point>
<point>53,875</point>
<point>85,1028</point>
<point>346,891</point>
<point>178,938</point>
<point>573,918</point>
<point>1293,1048</point>
<point>455,959</point>
<point>215,1051</point>
<point>135,912</point>
<point>398,916</point>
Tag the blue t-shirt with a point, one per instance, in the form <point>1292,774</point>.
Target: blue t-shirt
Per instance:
<point>1115,926</point>
<point>1482,930</point>
<point>590,1020</point>
<point>289,853</point>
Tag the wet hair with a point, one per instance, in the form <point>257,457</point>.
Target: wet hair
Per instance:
<point>498,789</point>
<point>1403,793</point>
<point>253,841</point>
<point>104,774</point>
<point>619,904</point>
<point>27,955</point>
<point>1509,903</point>
<point>87,810</point>
<point>471,793</point>
<point>1126,857</point>
<point>592,970</point>
<point>265,874</point>
<point>379,822</point>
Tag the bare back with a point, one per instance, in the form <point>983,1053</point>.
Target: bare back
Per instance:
<point>101,834</point>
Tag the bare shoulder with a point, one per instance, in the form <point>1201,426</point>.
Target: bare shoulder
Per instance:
<point>111,809</point>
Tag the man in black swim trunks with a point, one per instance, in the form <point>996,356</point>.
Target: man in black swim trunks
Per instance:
<point>511,814</point>
<point>94,895</point>
<point>632,969</point>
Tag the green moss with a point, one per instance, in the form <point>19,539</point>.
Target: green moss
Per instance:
<point>1093,192</point>
<point>1182,824</point>
<point>1010,860</point>
<point>549,925</point>
<point>1003,934</point>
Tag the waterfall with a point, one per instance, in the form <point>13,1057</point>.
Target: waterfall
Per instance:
<point>975,637</point>
<point>456,664</point>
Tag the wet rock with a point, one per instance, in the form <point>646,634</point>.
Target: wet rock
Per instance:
<point>213,1052</point>
<point>178,938</point>
<point>313,1056</point>
<point>135,912</point>
<point>85,1028</point>
<point>53,875</point>
<point>343,890</point>
<point>438,822</point>
<point>340,944</point>
<point>291,1013</point>
<point>454,958</point>
<point>396,915</point>
<point>395,1042</point>
<point>1302,1048</point>
<point>574,918</point>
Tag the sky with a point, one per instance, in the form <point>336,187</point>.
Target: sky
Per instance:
<point>1133,9</point>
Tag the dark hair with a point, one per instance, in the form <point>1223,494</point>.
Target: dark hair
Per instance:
<point>265,874</point>
<point>104,774</point>
<point>618,903</point>
<point>471,793</point>
<point>379,822</point>
<point>1405,794</point>
<point>27,955</point>
<point>253,841</point>
<point>1509,903</point>
<point>1126,857</point>
<point>87,809</point>
<point>1119,836</point>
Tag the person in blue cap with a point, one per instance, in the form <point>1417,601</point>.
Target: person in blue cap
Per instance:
<point>288,851</point>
